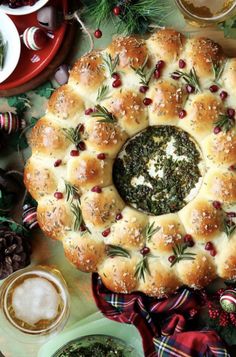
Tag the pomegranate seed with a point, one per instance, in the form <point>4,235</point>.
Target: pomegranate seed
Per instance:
<point>232,167</point>
<point>216,204</point>
<point>190,89</point>
<point>143,89</point>
<point>116,10</point>
<point>98,33</point>
<point>182,114</point>
<point>231,112</point>
<point>175,76</point>
<point>214,88</point>
<point>117,83</point>
<point>58,195</point>
<point>74,153</point>
<point>231,214</point>
<point>82,228</point>
<point>81,128</point>
<point>145,250</point>
<point>81,146</point>
<point>101,156</point>
<point>209,246</point>
<point>223,95</point>
<point>188,239</point>
<point>96,189</point>
<point>172,258</point>
<point>88,111</point>
<point>119,216</point>
<point>217,130</point>
<point>115,75</point>
<point>213,252</point>
<point>182,63</point>
<point>157,73</point>
<point>147,101</point>
<point>160,64</point>
<point>57,163</point>
<point>106,232</point>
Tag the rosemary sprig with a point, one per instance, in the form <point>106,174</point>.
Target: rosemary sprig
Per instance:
<point>73,134</point>
<point>102,112</point>
<point>142,268</point>
<point>3,49</point>
<point>116,251</point>
<point>71,191</point>
<point>144,74</point>
<point>225,122</point>
<point>150,230</point>
<point>76,210</point>
<point>102,93</point>
<point>190,78</point>
<point>180,254</point>
<point>218,69</point>
<point>229,226</point>
<point>110,63</point>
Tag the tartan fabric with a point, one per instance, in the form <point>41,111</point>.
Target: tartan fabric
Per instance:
<point>162,323</point>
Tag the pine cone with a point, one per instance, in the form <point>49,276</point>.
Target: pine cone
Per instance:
<point>15,250</point>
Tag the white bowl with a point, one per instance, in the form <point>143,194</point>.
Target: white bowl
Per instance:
<point>24,10</point>
<point>11,36</point>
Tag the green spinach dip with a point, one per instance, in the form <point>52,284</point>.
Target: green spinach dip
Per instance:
<point>159,170</point>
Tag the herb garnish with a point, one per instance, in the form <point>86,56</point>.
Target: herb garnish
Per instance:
<point>190,78</point>
<point>102,112</point>
<point>180,253</point>
<point>150,230</point>
<point>218,69</point>
<point>73,134</point>
<point>117,251</point>
<point>110,63</point>
<point>71,191</point>
<point>142,268</point>
<point>144,74</point>
<point>225,122</point>
<point>102,93</point>
<point>229,226</point>
<point>76,210</point>
<point>3,49</point>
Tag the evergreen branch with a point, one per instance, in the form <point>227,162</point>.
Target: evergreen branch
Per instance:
<point>71,191</point>
<point>190,78</point>
<point>76,210</point>
<point>73,134</point>
<point>142,268</point>
<point>218,69</point>
<point>229,226</point>
<point>150,230</point>
<point>102,112</point>
<point>225,122</point>
<point>102,93</point>
<point>144,74</point>
<point>117,251</point>
<point>180,254</point>
<point>110,63</point>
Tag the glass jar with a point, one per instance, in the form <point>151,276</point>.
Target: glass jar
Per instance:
<point>34,304</point>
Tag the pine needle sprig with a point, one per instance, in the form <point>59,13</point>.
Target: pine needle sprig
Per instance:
<point>98,11</point>
<point>102,93</point>
<point>110,63</point>
<point>225,122</point>
<point>71,191</point>
<point>190,78</point>
<point>117,251</point>
<point>180,253</point>
<point>76,210</point>
<point>142,269</point>
<point>229,226</point>
<point>73,134</point>
<point>102,112</point>
<point>144,74</point>
<point>150,230</point>
<point>218,69</point>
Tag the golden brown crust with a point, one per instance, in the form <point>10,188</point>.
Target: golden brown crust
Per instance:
<point>221,186</point>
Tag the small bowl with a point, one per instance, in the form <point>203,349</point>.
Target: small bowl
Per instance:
<point>24,10</point>
<point>11,37</point>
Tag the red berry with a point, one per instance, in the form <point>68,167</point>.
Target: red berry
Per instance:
<point>88,111</point>
<point>143,89</point>
<point>213,252</point>
<point>231,112</point>
<point>214,88</point>
<point>117,83</point>
<point>172,258</point>
<point>160,64</point>
<point>223,95</point>
<point>81,146</point>
<point>188,239</point>
<point>216,204</point>
<point>175,76</point>
<point>217,130</point>
<point>147,101</point>
<point>119,216</point>
<point>82,228</point>
<point>96,189</point>
<point>182,114</point>
<point>145,250</point>
<point>74,153</point>
<point>116,10</point>
<point>57,163</point>
<point>190,89</point>
<point>157,73</point>
<point>231,214</point>
<point>232,167</point>
<point>58,195</point>
<point>182,63</point>
<point>101,156</point>
<point>81,128</point>
<point>209,246</point>
<point>98,33</point>
<point>115,75</point>
<point>106,232</point>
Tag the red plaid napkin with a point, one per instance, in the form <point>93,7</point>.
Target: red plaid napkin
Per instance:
<point>161,323</point>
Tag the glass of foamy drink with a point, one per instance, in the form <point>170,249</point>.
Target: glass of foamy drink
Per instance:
<point>34,302</point>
